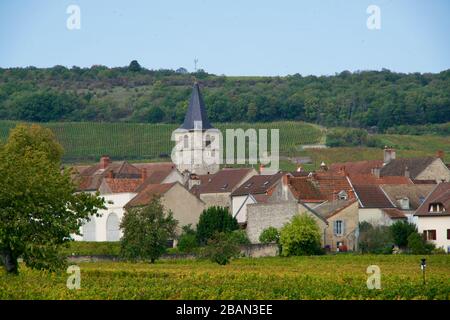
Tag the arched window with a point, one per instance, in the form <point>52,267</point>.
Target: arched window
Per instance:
<point>89,230</point>
<point>186,141</point>
<point>112,227</point>
<point>207,140</point>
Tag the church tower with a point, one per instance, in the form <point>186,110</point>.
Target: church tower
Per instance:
<point>198,142</point>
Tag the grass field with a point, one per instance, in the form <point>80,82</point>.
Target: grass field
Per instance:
<point>86,142</point>
<point>320,277</point>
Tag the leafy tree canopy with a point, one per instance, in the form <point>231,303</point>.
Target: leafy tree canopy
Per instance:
<point>39,206</point>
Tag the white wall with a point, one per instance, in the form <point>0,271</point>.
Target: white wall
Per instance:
<point>241,202</point>
<point>440,224</point>
<point>119,201</point>
<point>374,216</point>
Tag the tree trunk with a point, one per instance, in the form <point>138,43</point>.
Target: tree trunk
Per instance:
<point>9,260</point>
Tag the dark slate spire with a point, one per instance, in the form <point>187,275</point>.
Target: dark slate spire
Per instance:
<point>196,111</point>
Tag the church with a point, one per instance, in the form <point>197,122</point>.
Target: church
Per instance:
<point>125,185</point>
<point>197,149</point>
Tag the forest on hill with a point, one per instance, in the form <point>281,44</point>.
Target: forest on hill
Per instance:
<point>379,100</point>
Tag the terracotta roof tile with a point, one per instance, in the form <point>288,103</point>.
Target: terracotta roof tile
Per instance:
<point>371,196</point>
<point>146,195</point>
<point>440,194</point>
<point>224,181</point>
<point>356,167</point>
<point>122,185</point>
<point>361,179</point>
<point>394,213</point>
<point>415,166</point>
<point>258,184</point>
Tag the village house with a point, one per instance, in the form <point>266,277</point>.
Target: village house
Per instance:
<point>433,216</point>
<point>185,206</point>
<point>215,189</point>
<point>117,183</point>
<point>416,170</point>
<point>408,198</point>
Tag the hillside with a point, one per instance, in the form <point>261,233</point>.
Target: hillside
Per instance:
<point>378,100</point>
<point>86,142</point>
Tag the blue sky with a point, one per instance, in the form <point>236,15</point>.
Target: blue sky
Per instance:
<point>246,37</point>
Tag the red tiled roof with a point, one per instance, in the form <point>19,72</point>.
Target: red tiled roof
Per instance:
<point>357,167</point>
<point>371,196</point>
<point>415,166</point>
<point>361,179</point>
<point>146,195</point>
<point>394,213</point>
<point>330,184</point>
<point>258,184</point>
<point>440,194</point>
<point>123,185</point>
<point>303,189</point>
<point>224,181</point>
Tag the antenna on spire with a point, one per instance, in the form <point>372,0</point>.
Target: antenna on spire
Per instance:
<point>195,64</point>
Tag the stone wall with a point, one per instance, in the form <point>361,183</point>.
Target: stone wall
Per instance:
<point>437,170</point>
<point>261,216</point>
<point>260,250</point>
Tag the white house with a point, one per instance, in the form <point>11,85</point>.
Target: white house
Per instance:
<point>433,216</point>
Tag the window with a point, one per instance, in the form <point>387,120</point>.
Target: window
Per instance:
<point>186,141</point>
<point>112,228</point>
<point>338,226</point>
<point>429,234</point>
<point>208,140</point>
<point>342,195</point>
<point>436,207</point>
<point>89,230</point>
<point>448,234</point>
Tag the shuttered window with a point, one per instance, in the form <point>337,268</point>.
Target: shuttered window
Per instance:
<point>339,227</point>
<point>448,234</point>
<point>430,234</point>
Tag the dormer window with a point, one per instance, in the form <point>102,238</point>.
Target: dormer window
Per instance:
<point>342,195</point>
<point>436,207</point>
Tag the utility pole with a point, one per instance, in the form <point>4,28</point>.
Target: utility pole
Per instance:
<point>195,64</point>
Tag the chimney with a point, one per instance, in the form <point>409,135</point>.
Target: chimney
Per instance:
<point>104,162</point>
<point>407,172</point>
<point>323,166</point>
<point>376,172</point>
<point>110,174</point>
<point>143,174</point>
<point>440,154</point>
<point>389,155</point>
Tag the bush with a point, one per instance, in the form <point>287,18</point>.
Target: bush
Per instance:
<point>187,242</point>
<point>146,231</point>
<point>212,220</point>
<point>401,230</point>
<point>221,248</point>
<point>91,248</point>
<point>375,239</point>
<point>239,237</point>
<point>269,235</point>
<point>417,245</point>
<point>300,237</point>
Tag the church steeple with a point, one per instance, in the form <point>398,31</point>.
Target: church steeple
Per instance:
<point>196,111</point>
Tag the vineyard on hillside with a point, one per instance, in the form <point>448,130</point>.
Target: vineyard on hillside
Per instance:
<point>86,142</point>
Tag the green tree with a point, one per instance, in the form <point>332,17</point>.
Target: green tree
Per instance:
<point>134,66</point>
<point>221,248</point>
<point>401,230</point>
<point>269,235</point>
<point>39,206</point>
<point>146,231</point>
<point>188,240</point>
<point>212,220</point>
<point>375,239</point>
<point>417,245</point>
<point>301,236</point>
